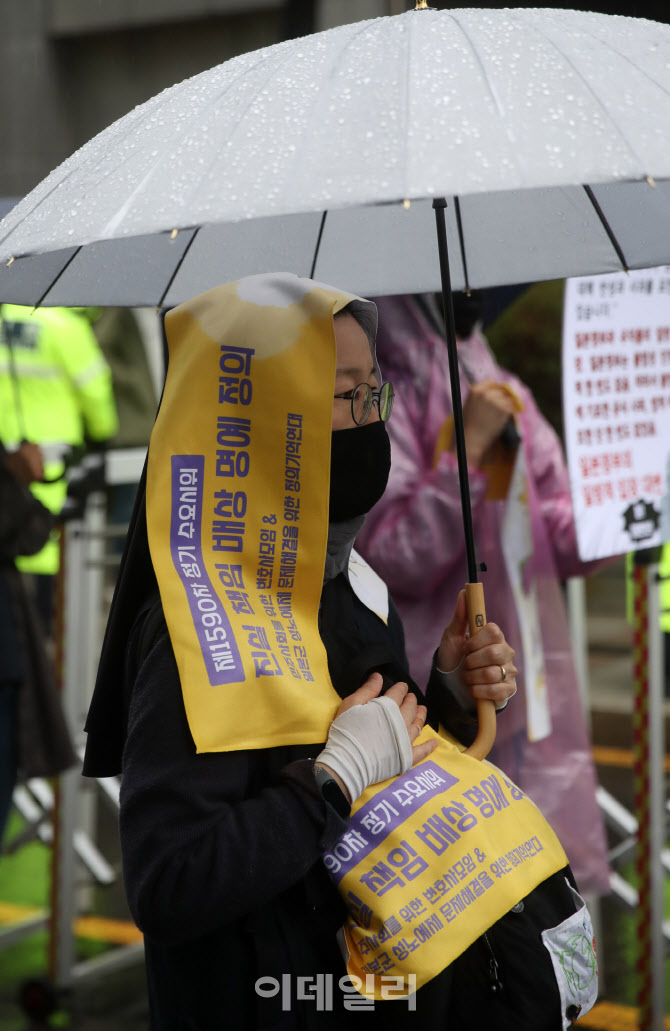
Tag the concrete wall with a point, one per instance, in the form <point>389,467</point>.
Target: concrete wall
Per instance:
<point>34,123</point>
<point>70,67</point>
<point>67,17</point>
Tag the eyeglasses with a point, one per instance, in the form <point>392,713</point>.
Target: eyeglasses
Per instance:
<point>363,397</point>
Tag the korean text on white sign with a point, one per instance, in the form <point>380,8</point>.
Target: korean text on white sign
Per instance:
<point>616,401</point>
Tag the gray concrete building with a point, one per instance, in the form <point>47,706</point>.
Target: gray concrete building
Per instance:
<point>68,68</point>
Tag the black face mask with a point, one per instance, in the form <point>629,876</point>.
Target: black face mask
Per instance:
<point>360,462</point>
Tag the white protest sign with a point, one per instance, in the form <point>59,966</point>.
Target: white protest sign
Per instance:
<point>616,404</point>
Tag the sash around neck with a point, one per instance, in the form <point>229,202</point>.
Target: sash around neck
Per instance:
<point>237,508</point>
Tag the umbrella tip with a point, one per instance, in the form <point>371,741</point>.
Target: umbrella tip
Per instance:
<point>10,262</point>
<point>651,181</point>
<point>421,5</point>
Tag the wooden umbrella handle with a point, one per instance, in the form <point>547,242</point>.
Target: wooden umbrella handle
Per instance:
<point>486,710</point>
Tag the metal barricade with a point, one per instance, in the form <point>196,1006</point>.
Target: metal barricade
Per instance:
<point>64,815</point>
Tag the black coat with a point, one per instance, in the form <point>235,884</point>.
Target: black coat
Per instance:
<point>43,742</point>
<point>222,865</point>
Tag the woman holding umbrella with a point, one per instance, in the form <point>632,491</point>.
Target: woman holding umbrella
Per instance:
<point>244,634</point>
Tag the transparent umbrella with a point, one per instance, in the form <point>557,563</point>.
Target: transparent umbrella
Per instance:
<point>543,134</point>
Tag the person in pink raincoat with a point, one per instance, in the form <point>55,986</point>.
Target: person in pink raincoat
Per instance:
<point>524,532</point>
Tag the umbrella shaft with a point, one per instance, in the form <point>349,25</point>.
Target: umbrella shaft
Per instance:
<point>439,204</point>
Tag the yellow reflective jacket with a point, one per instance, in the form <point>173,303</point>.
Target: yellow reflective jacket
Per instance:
<point>56,391</point>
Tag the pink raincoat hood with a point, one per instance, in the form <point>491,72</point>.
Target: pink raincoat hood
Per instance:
<point>413,538</point>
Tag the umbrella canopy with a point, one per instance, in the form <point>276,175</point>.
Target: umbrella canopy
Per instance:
<point>547,131</point>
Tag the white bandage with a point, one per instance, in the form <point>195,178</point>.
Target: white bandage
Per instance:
<point>367,744</point>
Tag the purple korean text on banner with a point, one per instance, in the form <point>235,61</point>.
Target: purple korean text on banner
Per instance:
<point>215,636</point>
<point>385,811</point>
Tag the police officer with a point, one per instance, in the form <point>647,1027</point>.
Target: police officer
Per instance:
<point>55,391</point>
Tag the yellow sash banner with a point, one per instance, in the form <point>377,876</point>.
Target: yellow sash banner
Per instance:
<point>430,861</point>
<point>237,508</point>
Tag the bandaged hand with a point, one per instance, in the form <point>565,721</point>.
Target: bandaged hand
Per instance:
<point>372,738</point>
<point>481,666</point>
